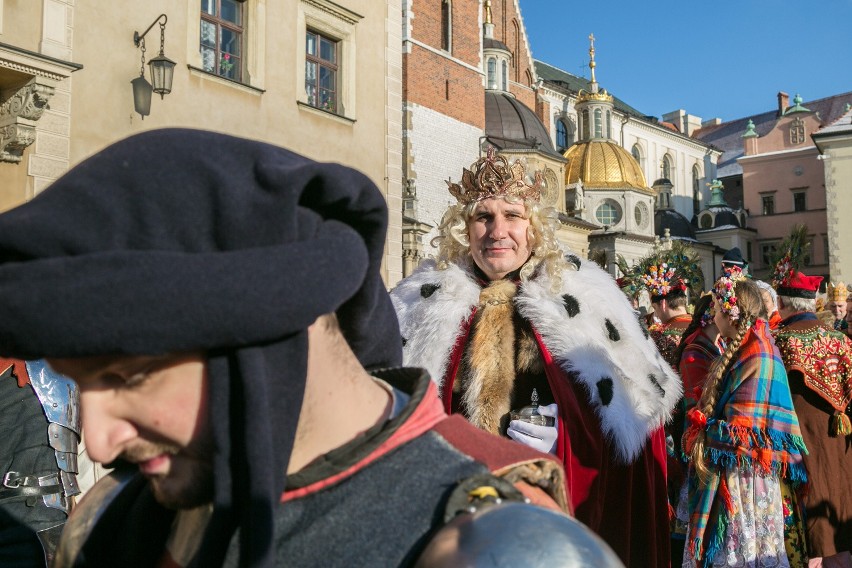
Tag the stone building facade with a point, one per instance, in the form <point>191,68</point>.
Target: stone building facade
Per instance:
<point>320,77</point>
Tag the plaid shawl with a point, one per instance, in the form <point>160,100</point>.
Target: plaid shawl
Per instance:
<point>695,361</point>
<point>753,425</point>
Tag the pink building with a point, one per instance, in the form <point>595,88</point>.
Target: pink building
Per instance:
<point>781,178</point>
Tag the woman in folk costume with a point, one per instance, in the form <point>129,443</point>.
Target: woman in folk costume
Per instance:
<point>745,445</point>
<point>504,313</point>
<point>697,351</point>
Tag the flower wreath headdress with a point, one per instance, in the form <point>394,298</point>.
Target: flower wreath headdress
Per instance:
<point>661,279</point>
<point>664,271</point>
<point>724,298</point>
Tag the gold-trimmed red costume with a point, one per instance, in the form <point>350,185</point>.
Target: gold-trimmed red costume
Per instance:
<point>819,369</point>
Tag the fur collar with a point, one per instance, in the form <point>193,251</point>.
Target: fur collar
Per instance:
<point>589,328</point>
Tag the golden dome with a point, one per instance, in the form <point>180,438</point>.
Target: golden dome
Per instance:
<point>603,164</point>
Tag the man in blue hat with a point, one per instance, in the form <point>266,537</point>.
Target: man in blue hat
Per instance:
<point>223,316</point>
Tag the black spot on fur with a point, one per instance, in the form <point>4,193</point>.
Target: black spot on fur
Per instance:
<point>572,306</point>
<point>605,391</point>
<point>657,384</point>
<point>404,341</point>
<point>575,260</point>
<point>613,333</point>
<point>428,289</point>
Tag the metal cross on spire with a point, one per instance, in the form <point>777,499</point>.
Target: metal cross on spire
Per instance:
<point>592,57</point>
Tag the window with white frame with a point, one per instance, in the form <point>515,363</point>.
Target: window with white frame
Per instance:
<point>608,213</point>
<point>696,190</point>
<point>222,38</point>
<point>666,167</point>
<point>321,71</point>
<point>561,134</point>
<point>564,133</point>
<point>637,154</point>
<point>492,72</point>
<point>326,70</point>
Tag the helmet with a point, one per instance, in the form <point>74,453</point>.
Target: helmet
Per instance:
<point>515,534</point>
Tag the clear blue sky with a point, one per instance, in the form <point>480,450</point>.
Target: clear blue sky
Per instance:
<point>725,59</point>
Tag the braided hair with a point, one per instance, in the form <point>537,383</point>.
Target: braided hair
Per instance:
<point>750,305</point>
<point>701,307</point>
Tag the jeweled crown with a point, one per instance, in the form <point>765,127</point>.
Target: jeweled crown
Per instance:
<point>492,176</point>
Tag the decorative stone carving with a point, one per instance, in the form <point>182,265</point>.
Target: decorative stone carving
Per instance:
<point>14,139</point>
<point>19,111</point>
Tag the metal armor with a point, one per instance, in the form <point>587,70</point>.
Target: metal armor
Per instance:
<point>60,400</point>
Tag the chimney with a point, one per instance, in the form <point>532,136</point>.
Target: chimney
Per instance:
<point>783,102</point>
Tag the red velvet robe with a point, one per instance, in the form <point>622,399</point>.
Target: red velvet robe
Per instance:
<point>626,505</point>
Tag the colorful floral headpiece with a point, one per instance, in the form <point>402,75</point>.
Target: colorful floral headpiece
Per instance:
<point>674,269</point>
<point>661,280</point>
<point>492,176</point>
<point>724,298</point>
<point>709,313</point>
<point>733,271</point>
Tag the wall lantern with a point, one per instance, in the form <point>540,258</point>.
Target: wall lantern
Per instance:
<point>162,71</point>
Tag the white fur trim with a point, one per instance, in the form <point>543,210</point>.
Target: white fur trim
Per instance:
<point>581,345</point>
<point>431,325</point>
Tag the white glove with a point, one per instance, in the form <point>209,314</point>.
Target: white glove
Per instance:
<point>541,438</point>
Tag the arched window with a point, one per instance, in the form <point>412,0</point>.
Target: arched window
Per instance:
<point>585,124</point>
<point>505,75</point>
<point>636,151</point>
<point>667,167</point>
<point>446,25</point>
<point>492,73</point>
<point>517,53</point>
<point>696,190</point>
<point>561,134</point>
<point>598,126</point>
<point>608,124</point>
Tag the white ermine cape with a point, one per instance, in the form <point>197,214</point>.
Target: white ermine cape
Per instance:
<point>589,328</point>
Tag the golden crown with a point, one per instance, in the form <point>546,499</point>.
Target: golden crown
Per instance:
<point>492,176</point>
<point>836,292</point>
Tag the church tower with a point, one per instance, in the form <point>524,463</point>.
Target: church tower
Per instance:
<point>604,183</point>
